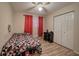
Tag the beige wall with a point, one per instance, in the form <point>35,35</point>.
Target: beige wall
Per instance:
<point>49,22</point>
<point>5,20</point>
<point>76,29</point>
<point>73,7</point>
<point>19,22</point>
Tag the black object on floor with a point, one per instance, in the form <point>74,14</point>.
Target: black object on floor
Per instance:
<point>48,36</point>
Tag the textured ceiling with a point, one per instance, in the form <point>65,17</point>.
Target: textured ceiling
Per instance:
<point>23,6</point>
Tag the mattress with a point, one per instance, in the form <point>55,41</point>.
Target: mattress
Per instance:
<point>21,44</point>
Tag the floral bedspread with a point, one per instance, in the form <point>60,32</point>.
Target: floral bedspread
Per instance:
<point>21,45</point>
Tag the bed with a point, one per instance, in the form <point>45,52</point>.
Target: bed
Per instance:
<point>21,44</point>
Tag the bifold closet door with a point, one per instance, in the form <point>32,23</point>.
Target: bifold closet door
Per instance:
<point>63,29</point>
<point>67,30</point>
<point>57,30</point>
<point>70,29</point>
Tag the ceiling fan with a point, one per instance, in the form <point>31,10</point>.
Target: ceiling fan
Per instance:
<point>39,5</point>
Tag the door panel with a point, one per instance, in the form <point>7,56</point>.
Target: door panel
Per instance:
<point>70,20</point>
<point>64,30</point>
<point>57,32</point>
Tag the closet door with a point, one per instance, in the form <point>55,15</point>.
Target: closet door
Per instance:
<point>63,29</point>
<point>67,30</point>
<point>57,30</point>
<point>70,31</point>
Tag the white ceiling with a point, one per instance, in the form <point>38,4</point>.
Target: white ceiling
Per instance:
<point>53,6</point>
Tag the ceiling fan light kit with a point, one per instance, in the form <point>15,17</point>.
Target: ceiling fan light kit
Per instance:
<point>40,8</point>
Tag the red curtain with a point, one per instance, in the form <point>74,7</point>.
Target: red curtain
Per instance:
<point>28,24</point>
<point>40,26</point>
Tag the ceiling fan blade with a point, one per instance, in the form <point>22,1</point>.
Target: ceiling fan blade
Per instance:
<point>45,9</point>
<point>40,3</point>
<point>47,3</point>
<point>35,3</point>
<point>29,8</point>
